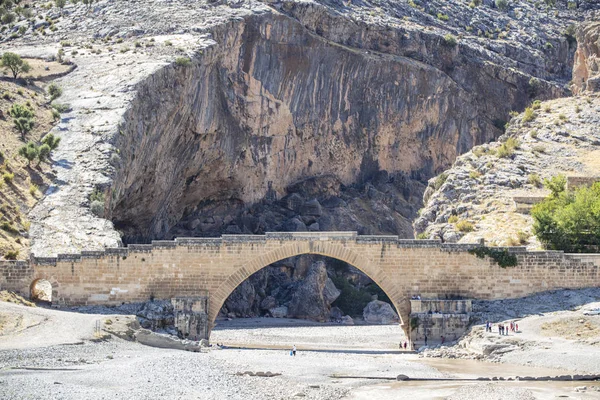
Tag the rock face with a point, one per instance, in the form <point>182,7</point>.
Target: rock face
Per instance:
<point>379,312</point>
<point>256,115</point>
<point>313,297</point>
<point>586,69</point>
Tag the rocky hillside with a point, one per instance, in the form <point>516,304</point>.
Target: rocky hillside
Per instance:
<point>485,193</point>
<point>22,182</point>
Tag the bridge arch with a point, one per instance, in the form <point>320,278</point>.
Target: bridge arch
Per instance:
<point>322,248</point>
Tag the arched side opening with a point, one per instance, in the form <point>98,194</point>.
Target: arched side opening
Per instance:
<point>41,290</point>
<point>334,251</point>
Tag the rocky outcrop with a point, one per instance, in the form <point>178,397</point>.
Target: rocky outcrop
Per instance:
<point>313,297</point>
<point>380,312</point>
<point>479,197</point>
<point>586,69</point>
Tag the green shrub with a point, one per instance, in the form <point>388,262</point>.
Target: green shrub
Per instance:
<point>557,185</point>
<point>535,180</point>
<point>422,236</point>
<point>450,40</point>
<point>351,300</point>
<point>8,177</point>
<point>502,257</point>
<point>440,180</point>
<point>536,105</point>
<point>55,91</point>
<point>183,61</point>
<point>11,254</point>
<point>97,208</point>
<point>61,108</point>
<point>507,148</point>
<point>43,152</point>
<point>23,118</point>
<point>29,152</point>
<point>442,17</point>
<point>529,115</point>
<point>453,219</point>
<point>571,34</point>
<point>569,221</point>
<point>465,226</point>
<point>474,174</point>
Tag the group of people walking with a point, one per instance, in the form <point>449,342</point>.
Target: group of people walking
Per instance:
<point>503,329</point>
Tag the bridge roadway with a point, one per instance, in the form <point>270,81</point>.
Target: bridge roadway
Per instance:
<point>186,266</point>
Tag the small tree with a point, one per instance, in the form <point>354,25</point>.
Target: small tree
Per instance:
<point>556,185</point>
<point>23,118</point>
<point>60,4</point>
<point>51,140</point>
<point>43,153</point>
<point>30,152</point>
<point>55,91</point>
<point>15,63</point>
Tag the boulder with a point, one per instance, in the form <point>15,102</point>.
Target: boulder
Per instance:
<point>293,202</point>
<point>156,314</point>
<point>347,320</point>
<point>268,303</point>
<point>314,294</point>
<point>330,292</point>
<point>295,225</point>
<point>154,339</point>
<point>380,312</point>
<point>311,207</point>
<point>335,313</point>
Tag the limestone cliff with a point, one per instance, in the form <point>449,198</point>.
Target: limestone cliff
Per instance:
<point>300,94</point>
<point>586,70</point>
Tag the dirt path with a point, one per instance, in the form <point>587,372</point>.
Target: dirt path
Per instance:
<point>34,327</point>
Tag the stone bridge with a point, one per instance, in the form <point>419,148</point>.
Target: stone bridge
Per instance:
<point>188,266</point>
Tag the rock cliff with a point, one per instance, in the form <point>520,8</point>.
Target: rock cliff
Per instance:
<point>586,70</point>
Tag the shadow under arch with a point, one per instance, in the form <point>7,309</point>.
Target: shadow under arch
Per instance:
<point>336,251</point>
<point>41,290</point>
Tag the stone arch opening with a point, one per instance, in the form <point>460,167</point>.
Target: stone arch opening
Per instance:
<point>41,290</point>
<point>325,249</point>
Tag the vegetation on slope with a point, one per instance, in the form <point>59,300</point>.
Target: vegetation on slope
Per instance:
<point>25,117</point>
<point>569,220</point>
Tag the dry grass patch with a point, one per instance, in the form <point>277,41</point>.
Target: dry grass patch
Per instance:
<point>573,328</point>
